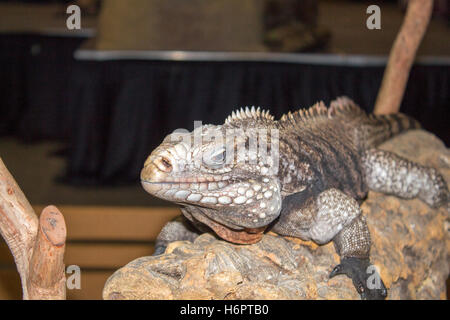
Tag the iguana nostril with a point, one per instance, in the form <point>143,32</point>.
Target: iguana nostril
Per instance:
<point>163,164</point>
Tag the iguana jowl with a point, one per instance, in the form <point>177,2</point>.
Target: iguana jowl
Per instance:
<point>327,162</point>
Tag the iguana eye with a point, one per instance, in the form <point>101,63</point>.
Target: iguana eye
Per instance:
<point>216,159</point>
<point>219,157</point>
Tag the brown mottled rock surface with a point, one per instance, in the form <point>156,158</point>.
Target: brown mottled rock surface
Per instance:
<point>410,246</point>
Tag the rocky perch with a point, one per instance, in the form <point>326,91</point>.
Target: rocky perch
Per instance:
<point>410,247</point>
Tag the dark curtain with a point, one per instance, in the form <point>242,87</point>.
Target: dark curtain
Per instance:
<point>123,109</point>
<point>34,85</point>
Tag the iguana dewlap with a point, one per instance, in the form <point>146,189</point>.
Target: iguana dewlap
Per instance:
<point>304,177</point>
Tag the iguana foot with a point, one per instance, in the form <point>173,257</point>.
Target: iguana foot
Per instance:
<point>366,280</point>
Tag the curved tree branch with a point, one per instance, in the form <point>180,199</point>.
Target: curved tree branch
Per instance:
<point>46,278</point>
<point>402,56</point>
<point>37,246</point>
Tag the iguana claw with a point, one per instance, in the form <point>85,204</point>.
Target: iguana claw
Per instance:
<point>368,284</point>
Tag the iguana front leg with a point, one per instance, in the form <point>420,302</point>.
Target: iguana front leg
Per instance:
<point>333,215</point>
<point>353,246</point>
<point>339,218</point>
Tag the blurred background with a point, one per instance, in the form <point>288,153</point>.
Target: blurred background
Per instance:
<point>81,109</point>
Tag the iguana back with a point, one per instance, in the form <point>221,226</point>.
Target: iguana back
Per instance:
<point>323,147</point>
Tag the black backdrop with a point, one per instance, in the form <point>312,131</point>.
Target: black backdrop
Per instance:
<point>113,113</point>
<point>123,109</point>
<point>35,84</point>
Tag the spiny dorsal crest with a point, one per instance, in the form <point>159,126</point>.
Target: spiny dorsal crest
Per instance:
<point>344,106</point>
<point>319,110</point>
<point>249,113</point>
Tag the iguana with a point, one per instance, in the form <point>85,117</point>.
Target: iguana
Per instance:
<point>327,161</point>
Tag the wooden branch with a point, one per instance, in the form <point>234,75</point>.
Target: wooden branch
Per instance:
<point>37,249</point>
<point>46,280</point>
<point>402,56</point>
<point>18,223</point>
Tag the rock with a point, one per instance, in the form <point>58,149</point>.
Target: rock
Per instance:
<point>410,247</point>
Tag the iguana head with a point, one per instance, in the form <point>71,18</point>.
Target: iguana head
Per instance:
<point>224,176</point>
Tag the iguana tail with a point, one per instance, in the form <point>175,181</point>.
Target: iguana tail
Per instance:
<point>383,127</point>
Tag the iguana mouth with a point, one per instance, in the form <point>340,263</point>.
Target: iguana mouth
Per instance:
<point>193,192</point>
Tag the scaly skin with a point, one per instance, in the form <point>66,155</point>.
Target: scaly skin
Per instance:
<point>311,188</point>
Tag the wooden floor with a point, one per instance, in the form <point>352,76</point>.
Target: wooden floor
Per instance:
<point>100,240</point>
